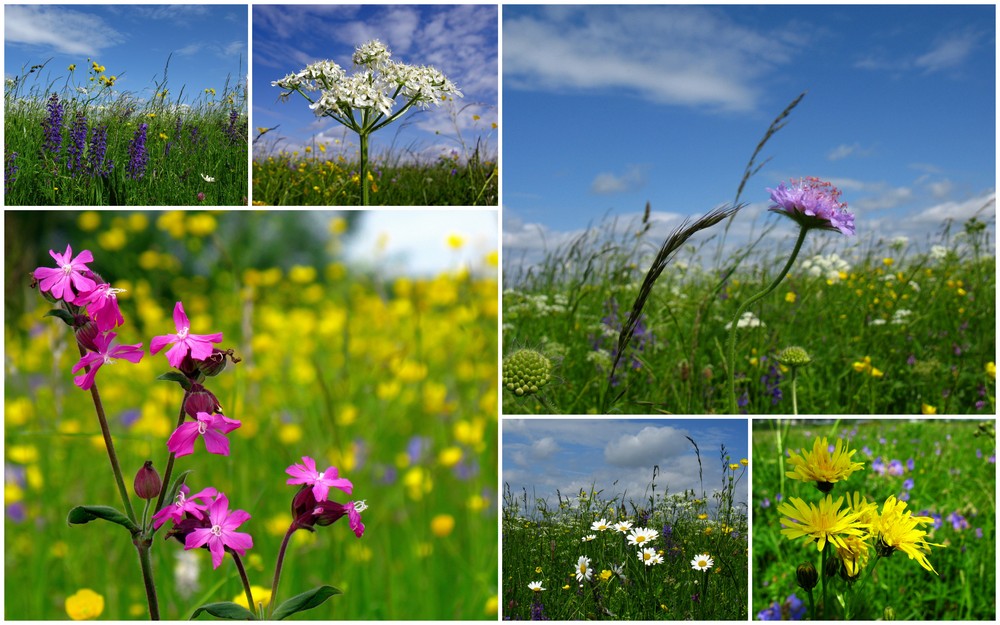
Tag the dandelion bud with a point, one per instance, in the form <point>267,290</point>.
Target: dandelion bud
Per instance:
<point>86,331</point>
<point>200,399</point>
<point>807,576</point>
<point>147,481</point>
<point>525,372</point>
<point>888,614</point>
<point>793,357</point>
<point>832,566</point>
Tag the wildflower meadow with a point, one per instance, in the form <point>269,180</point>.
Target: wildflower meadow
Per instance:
<point>834,319</point>
<point>235,422</point>
<point>874,519</point>
<point>591,555</point>
<point>73,139</point>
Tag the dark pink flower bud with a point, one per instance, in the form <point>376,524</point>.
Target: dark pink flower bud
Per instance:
<point>200,399</point>
<point>86,331</point>
<point>147,482</point>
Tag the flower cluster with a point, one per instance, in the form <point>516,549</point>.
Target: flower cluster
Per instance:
<point>855,529</point>
<point>376,86</point>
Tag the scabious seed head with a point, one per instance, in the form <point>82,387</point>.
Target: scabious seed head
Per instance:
<point>526,371</point>
<point>794,357</point>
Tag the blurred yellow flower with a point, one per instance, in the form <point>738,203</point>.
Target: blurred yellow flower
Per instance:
<point>88,221</point>
<point>991,369</point>
<point>260,594</point>
<point>450,456</point>
<point>137,222</point>
<point>927,409</point>
<point>347,415</point>
<point>302,274</point>
<point>790,297</point>
<point>492,604</point>
<point>22,454</point>
<point>201,224</point>
<point>442,525</point>
<point>455,241</point>
<point>112,240</point>
<point>84,605</point>
<point>290,433</point>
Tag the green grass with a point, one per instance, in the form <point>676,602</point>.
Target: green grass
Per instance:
<point>926,322</point>
<point>391,380</point>
<point>542,542</point>
<point>189,137</point>
<point>953,475</point>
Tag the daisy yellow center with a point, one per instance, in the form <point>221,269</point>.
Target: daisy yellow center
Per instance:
<point>702,563</point>
<point>640,538</point>
<point>583,569</point>
<point>646,556</point>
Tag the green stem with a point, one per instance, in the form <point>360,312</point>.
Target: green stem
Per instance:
<point>745,305</point>
<point>822,576</point>
<point>277,567</point>
<point>170,460</point>
<point>244,579</point>
<point>812,606</point>
<point>110,446</point>
<point>364,168</point>
<point>142,546</point>
<point>795,403</point>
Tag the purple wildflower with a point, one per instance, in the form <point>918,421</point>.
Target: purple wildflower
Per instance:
<point>813,203</point>
<point>52,125</point>
<point>137,156</point>
<point>9,170</point>
<point>958,522</point>
<point>77,143</point>
<point>908,484</point>
<point>895,468</point>
<point>231,130</point>
<point>537,613</point>
<point>97,165</point>
<point>766,503</point>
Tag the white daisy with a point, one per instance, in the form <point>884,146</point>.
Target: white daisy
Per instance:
<point>535,586</point>
<point>588,538</point>
<point>600,525</point>
<point>623,526</point>
<point>649,557</point>
<point>583,570</point>
<point>642,535</point>
<point>702,562</point>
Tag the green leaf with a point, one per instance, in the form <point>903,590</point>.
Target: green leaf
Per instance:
<point>306,601</point>
<point>176,376</point>
<point>62,314</point>
<point>226,610</point>
<point>85,514</point>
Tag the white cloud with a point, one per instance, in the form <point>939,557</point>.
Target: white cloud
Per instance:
<point>958,211</point>
<point>648,447</point>
<point>689,56</point>
<point>632,179</point>
<point>843,151</point>
<point>61,29</point>
<point>947,53</point>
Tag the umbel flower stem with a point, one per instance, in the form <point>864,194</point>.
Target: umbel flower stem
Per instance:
<point>363,137</point>
<point>745,305</point>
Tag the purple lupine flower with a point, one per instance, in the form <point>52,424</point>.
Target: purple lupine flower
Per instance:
<point>537,612</point>
<point>97,165</point>
<point>52,126</point>
<point>77,143</point>
<point>231,130</point>
<point>9,170</point>
<point>138,158</point>
<point>813,203</point>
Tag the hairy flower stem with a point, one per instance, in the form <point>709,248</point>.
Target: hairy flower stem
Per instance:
<point>277,566</point>
<point>795,403</point>
<point>142,546</point>
<point>243,578</point>
<point>110,445</point>
<point>170,460</point>
<point>745,305</point>
<point>364,166</point>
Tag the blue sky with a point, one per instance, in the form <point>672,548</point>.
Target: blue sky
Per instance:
<point>133,42</point>
<point>459,40</point>
<point>606,108</point>
<point>543,455</point>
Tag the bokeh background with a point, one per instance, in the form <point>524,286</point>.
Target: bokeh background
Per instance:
<point>382,366</point>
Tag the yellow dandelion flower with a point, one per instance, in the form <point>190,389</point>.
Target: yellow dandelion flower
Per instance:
<point>821,466</point>
<point>927,409</point>
<point>897,529</point>
<point>790,297</point>
<point>72,67</point>
<point>442,525</point>
<point>826,523</point>
<point>991,369</point>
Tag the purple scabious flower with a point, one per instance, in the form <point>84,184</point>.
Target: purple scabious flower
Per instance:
<point>137,156</point>
<point>813,203</point>
<point>52,125</point>
<point>77,143</point>
<point>97,164</point>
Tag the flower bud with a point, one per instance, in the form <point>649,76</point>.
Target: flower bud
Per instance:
<point>147,482</point>
<point>525,372</point>
<point>200,399</point>
<point>888,614</point>
<point>807,576</point>
<point>214,364</point>
<point>86,331</point>
<point>833,565</point>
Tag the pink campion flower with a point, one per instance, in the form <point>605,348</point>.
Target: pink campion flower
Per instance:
<point>184,503</point>
<point>104,355</point>
<point>212,427</point>
<point>354,510</point>
<point>67,276</point>
<point>221,534</point>
<point>321,482</point>
<point>813,203</point>
<point>102,305</point>
<point>199,345</point>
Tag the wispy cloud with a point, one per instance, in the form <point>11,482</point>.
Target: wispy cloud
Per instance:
<point>948,52</point>
<point>607,183</point>
<point>690,56</point>
<point>59,29</point>
<point>844,150</point>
